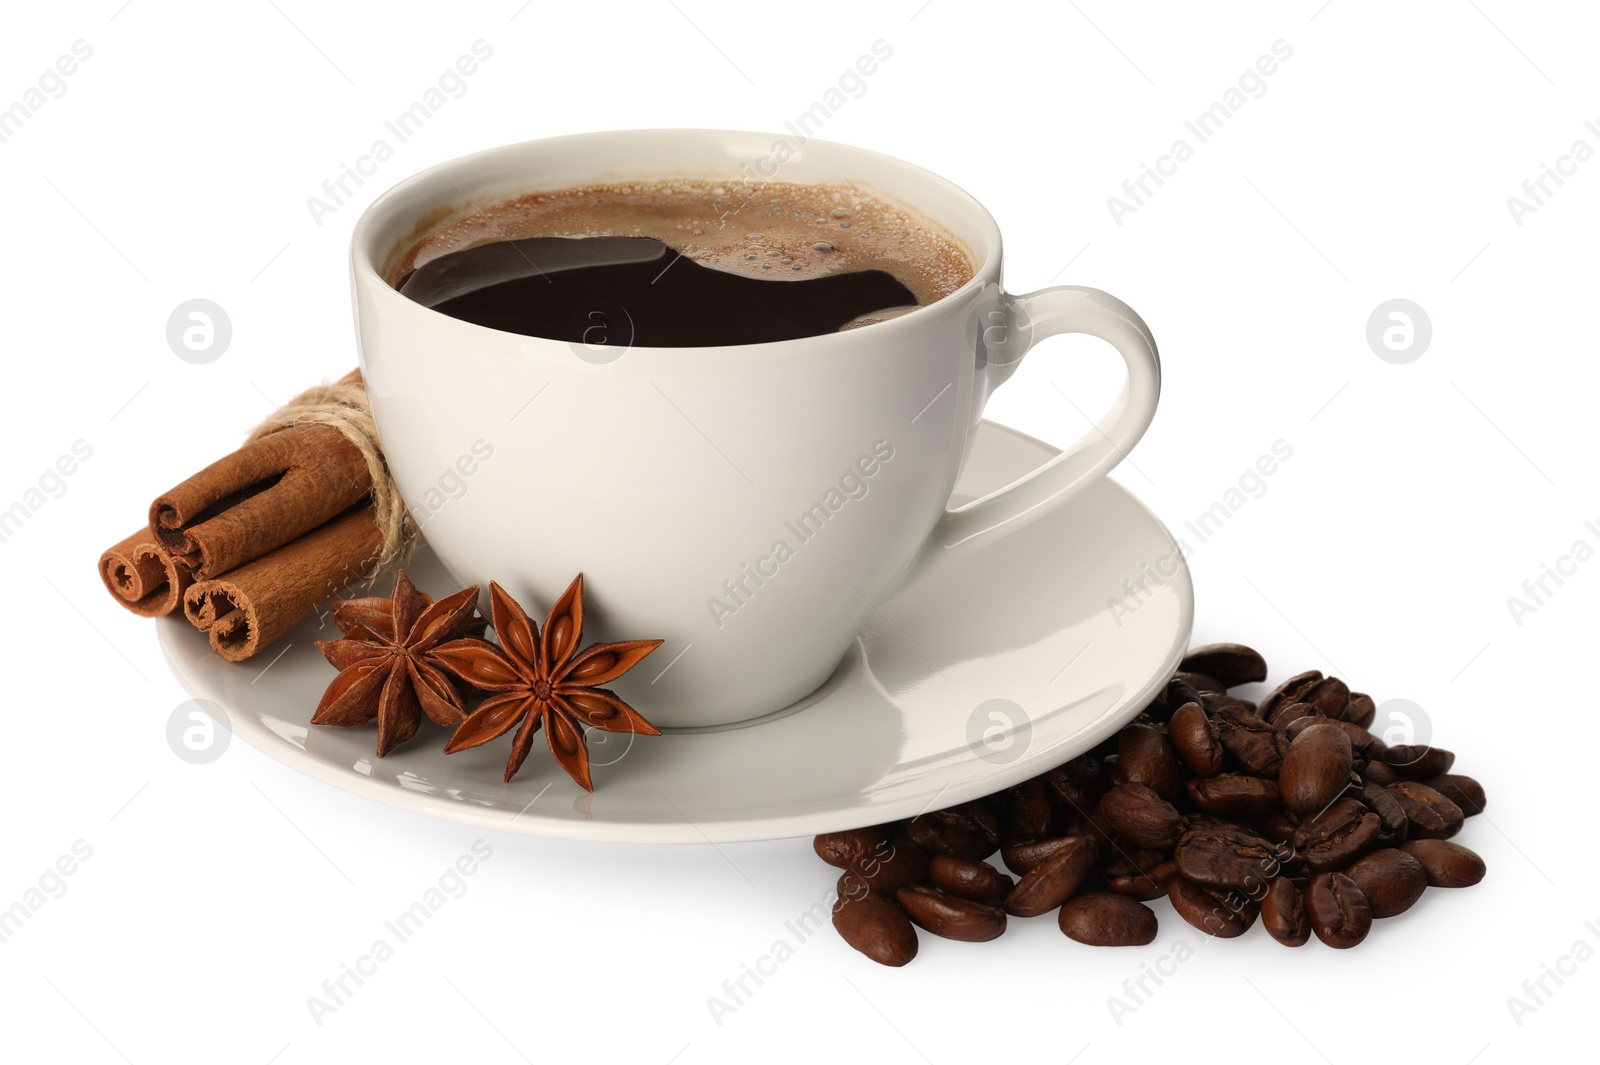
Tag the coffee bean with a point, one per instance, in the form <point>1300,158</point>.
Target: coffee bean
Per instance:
<point>1161,876</point>
<point>1391,879</point>
<point>981,816</point>
<point>893,868</point>
<point>1464,791</point>
<point>1214,914</point>
<point>970,830</point>
<point>1021,858</point>
<point>1032,812</point>
<point>852,885</point>
<point>1287,715</point>
<point>1124,859</point>
<point>1292,812</point>
<point>1279,826</point>
<point>1316,768</point>
<point>1144,818</point>
<point>1340,914</point>
<point>1288,692</point>
<point>951,916</point>
<point>843,849</point>
<point>1078,784</point>
<point>1231,663</point>
<point>1147,758</point>
<point>1337,836</point>
<point>1077,825</point>
<point>1053,881</point>
<point>1234,795</point>
<point>1363,744</point>
<point>1180,692</point>
<point>1102,830</point>
<point>876,926</point>
<point>1144,885</point>
<point>1214,701</point>
<point>1392,821</point>
<point>998,803</point>
<point>978,881</point>
<point>1201,682</point>
<point>1376,772</point>
<point>1105,920</point>
<point>940,838</point>
<point>1229,857</point>
<point>1419,761</point>
<point>1431,815</point>
<point>1330,695</point>
<point>1195,740</point>
<point>1301,722</point>
<point>1446,864</point>
<point>1340,812</point>
<point>1283,913</point>
<point>1250,743</point>
<point>1362,710</point>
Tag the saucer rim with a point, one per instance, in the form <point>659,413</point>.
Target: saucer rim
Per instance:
<point>855,815</point>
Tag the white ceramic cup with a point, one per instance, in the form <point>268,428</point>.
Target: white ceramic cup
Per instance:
<point>751,505</point>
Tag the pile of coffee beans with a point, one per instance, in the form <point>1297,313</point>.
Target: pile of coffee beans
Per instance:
<point>1288,811</point>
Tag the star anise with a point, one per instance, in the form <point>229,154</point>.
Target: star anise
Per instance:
<point>543,680</point>
<point>373,613</point>
<point>386,662</point>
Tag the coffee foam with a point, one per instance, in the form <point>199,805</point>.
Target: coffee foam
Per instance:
<point>775,230</point>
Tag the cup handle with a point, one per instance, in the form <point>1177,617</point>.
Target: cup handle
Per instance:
<point>1046,313</point>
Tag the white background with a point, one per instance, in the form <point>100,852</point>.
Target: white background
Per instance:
<point>1419,497</point>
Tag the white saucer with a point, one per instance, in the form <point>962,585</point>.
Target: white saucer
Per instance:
<point>981,675</point>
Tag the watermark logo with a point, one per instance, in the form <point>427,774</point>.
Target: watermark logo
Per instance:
<point>1402,723</point>
<point>738,990</point>
<point>1538,990</point>
<point>1251,85</point>
<point>449,886</point>
<point>606,748</point>
<point>199,331</point>
<point>999,731</point>
<point>1537,191</point>
<point>452,483</point>
<point>1398,331</point>
<point>451,84</point>
<point>600,330</point>
<point>51,484</point>
<point>47,887</point>
<point>1136,990</point>
<point>50,85</point>
<point>850,85</point>
<point>1537,591</point>
<point>198,732</point>
<point>1251,485</point>
<point>853,485</point>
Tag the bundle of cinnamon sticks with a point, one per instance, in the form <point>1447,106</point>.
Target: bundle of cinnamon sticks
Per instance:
<point>255,541</point>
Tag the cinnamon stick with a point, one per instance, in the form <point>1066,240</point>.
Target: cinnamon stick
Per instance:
<point>272,490</point>
<point>248,608</point>
<point>141,576</point>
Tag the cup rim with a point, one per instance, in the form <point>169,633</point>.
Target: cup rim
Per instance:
<point>986,258</point>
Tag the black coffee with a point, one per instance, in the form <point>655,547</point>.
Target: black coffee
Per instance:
<point>679,262</point>
<point>608,290</point>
